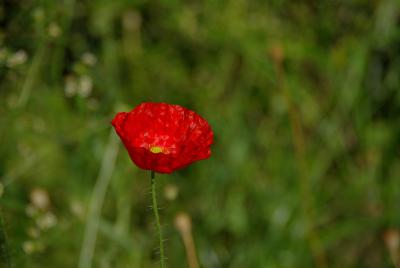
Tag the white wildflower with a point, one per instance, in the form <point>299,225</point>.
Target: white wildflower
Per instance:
<point>71,86</point>
<point>46,221</point>
<point>17,58</point>
<point>89,59</point>
<point>171,191</point>
<point>28,247</point>
<point>85,86</point>
<point>40,198</point>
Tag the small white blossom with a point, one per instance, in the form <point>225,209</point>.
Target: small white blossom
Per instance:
<point>77,209</point>
<point>17,58</point>
<point>85,86</point>
<point>28,247</point>
<point>89,59</point>
<point>54,30</point>
<point>46,221</point>
<point>171,191</point>
<point>40,198</point>
<point>71,86</point>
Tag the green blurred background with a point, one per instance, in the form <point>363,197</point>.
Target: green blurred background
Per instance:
<point>303,97</point>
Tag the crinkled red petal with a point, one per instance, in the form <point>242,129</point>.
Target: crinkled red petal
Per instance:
<point>184,136</point>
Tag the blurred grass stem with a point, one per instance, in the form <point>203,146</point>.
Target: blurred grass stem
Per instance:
<point>300,153</point>
<point>157,217</point>
<point>190,249</point>
<point>183,223</point>
<point>96,202</point>
<point>32,76</point>
<point>4,253</point>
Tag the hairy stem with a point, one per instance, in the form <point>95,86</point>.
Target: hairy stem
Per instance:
<point>155,209</point>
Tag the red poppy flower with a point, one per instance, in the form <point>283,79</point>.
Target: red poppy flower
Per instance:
<point>164,137</point>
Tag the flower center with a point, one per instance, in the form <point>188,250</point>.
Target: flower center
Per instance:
<point>156,149</point>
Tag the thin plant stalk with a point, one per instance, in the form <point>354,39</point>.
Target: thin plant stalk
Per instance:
<point>190,250</point>
<point>4,253</point>
<point>157,218</point>
<point>96,202</point>
<point>183,224</point>
<point>306,197</point>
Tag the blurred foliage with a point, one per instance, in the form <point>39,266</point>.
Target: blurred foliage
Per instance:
<point>303,97</point>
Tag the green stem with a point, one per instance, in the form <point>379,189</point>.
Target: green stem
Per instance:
<point>96,202</point>
<point>306,194</point>
<point>4,254</point>
<point>155,209</point>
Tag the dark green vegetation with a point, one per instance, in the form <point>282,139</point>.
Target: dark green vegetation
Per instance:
<point>303,96</point>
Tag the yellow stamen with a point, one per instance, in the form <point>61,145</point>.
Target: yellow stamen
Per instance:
<point>156,149</point>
